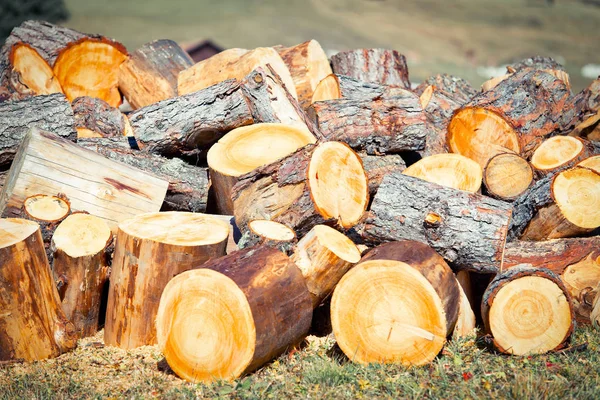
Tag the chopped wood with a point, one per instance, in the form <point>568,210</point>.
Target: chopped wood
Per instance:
<point>262,232</point>
<point>96,118</point>
<point>559,153</point>
<point>381,66</point>
<point>450,170</point>
<point>377,167</point>
<point>507,176</point>
<point>459,89</point>
<point>586,121</point>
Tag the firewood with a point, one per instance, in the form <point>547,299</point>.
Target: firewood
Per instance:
<point>459,89</point>
<point>327,89</point>
<point>233,65</point>
<point>586,121</point>
<point>317,184</point>
<point>255,300</point>
<point>545,64</point>
<point>80,269</point>
<point>507,176</point>
<point>377,167</point>
<point>397,305</point>
<point>576,261</point>
<point>96,118</point>
<point>527,311</point>
<point>381,66</point>
<point>465,322</point>
<point>234,233</point>
<point>467,229</point>
<point>150,250</point>
<point>247,148</point>
<point>324,255</point>
<point>559,153</point>
<point>518,114</point>
<point>150,73</point>
<point>33,325</point>
<point>52,113</point>
<point>47,164</point>
<point>591,163</point>
<point>450,170</point>
<point>308,65</point>
<point>262,232</point>
<point>2,179</point>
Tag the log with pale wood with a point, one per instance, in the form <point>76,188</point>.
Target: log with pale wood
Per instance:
<point>506,176</point>
<point>32,323</point>
<point>397,305</point>
<point>334,87</point>
<point>381,66</point>
<point>527,311</point>
<point>96,118</point>
<point>254,300</point>
<point>586,121</point>
<point>545,64</point>
<point>559,153</point>
<point>466,323</point>
<point>262,232</point>
<point>450,170</point>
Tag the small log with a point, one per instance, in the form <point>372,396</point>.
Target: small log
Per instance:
<point>459,89</point>
<point>591,163</point>
<point>507,176</point>
<point>377,167</point>
<point>559,153</point>
<point>150,73</point>
<point>586,121</point>
<point>387,67</point>
<point>397,305</point>
<point>52,113</point>
<point>255,300</point>
<point>546,64</point>
<point>80,269</point>
<point>96,118</point>
<point>334,87</point>
<point>467,229</point>
<point>450,170</point>
<point>32,324</point>
<point>527,311</point>
<point>150,250</point>
<point>262,232</point>
<point>324,255</point>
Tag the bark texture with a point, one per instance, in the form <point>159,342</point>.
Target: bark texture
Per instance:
<point>459,89</point>
<point>99,118</point>
<point>526,206</point>
<point>373,65</point>
<point>377,167</point>
<point>586,119</point>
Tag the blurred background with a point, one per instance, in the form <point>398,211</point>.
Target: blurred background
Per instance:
<point>472,39</point>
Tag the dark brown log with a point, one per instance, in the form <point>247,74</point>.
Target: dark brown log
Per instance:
<point>52,113</point>
<point>459,89</point>
<point>377,167</point>
<point>381,66</point>
<point>467,229</point>
<point>96,118</point>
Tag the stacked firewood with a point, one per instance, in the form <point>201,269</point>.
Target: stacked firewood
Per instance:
<point>228,200</point>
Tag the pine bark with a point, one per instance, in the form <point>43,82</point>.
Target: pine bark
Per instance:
<point>377,167</point>
<point>459,89</point>
<point>586,120</point>
<point>99,118</point>
<point>381,66</point>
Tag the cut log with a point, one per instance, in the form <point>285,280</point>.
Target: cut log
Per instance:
<point>527,311</point>
<point>465,323</point>
<point>150,250</point>
<point>381,66</point>
<point>255,301</point>
<point>467,229</point>
<point>188,184</point>
<point>96,118</point>
<point>450,170</point>
<point>47,164</point>
<point>334,87</point>
<point>32,324</point>
<point>247,148</point>
<point>150,73</point>
<point>308,65</point>
<point>559,153</point>
<point>316,184</point>
<point>377,167</point>
<point>233,65</point>
<point>324,255</point>
<point>327,89</point>
<point>576,261</point>
<point>234,232</point>
<point>52,113</point>
<point>397,305</point>
<point>80,269</point>
<point>185,123</point>
<point>546,64</point>
<point>518,114</point>
<point>591,163</point>
<point>459,89</point>
<point>262,232</point>
<point>493,82</point>
<point>586,121</point>
<point>507,176</point>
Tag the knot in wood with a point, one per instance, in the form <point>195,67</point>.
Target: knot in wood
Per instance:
<point>433,220</point>
<point>258,78</point>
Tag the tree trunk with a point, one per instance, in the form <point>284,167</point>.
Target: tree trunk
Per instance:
<point>397,305</point>
<point>96,118</point>
<point>377,167</point>
<point>52,113</point>
<point>527,311</point>
<point>150,73</point>
<point>507,176</point>
<point>32,324</point>
<point>262,232</point>
<point>467,229</point>
<point>150,250</point>
<point>236,300</point>
<point>450,170</point>
<point>387,67</point>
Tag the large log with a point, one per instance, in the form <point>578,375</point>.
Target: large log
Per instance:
<point>96,118</point>
<point>255,301</point>
<point>52,113</point>
<point>397,305</point>
<point>467,229</point>
<point>450,170</point>
<point>32,324</point>
<point>545,64</point>
<point>150,250</point>
<point>381,66</point>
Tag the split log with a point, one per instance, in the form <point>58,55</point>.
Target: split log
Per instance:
<point>575,261</point>
<point>467,229</point>
<point>150,250</point>
<point>150,73</point>
<point>518,114</point>
<point>397,305</point>
<point>559,153</point>
<point>381,66</point>
<point>317,184</point>
<point>465,323</point>
<point>96,118</point>
<point>324,255</point>
<point>47,164</point>
<point>81,269</point>
<point>52,113</point>
<point>247,148</point>
<point>254,300</point>
<point>586,121</point>
<point>450,170</point>
<point>308,65</point>
<point>32,324</point>
<point>188,184</point>
<point>377,167</point>
<point>507,176</point>
<point>262,232</point>
<point>527,311</point>
<point>233,65</point>
<point>459,89</point>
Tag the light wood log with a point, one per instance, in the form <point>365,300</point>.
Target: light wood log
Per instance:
<point>450,170</point>
<point>96,118</point>
<point>262,232</point>
<point>381,66</point>
<point>465,323</point>
<point>586,121</point>
<point>507,176</point>
<point>591,163</point>
<point>559,153</point>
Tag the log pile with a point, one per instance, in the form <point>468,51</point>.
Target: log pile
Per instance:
<point>248,196</point>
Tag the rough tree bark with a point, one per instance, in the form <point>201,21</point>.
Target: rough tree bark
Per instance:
<point>373,65</point>
<point>96,118</point>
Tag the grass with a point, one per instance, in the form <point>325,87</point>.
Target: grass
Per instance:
<point>465,369</point>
